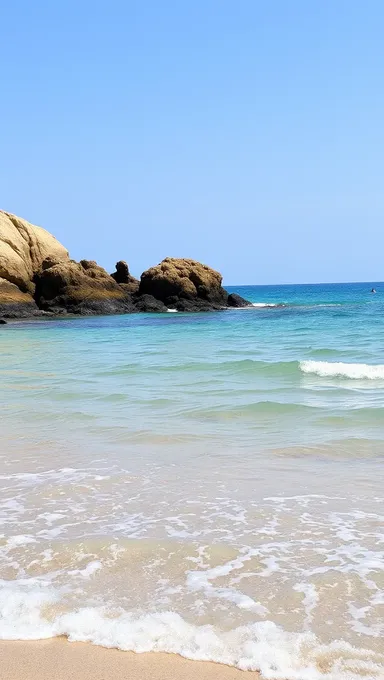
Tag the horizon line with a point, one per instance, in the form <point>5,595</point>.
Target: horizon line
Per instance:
<point>316,283</point>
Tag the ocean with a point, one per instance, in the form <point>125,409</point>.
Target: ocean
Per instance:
<point>203,484</point>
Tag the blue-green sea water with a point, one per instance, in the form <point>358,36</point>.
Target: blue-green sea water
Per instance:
<point>204,484</point>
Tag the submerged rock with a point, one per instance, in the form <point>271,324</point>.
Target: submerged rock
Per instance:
<point>184,284</point>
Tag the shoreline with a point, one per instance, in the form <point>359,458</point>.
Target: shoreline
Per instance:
<point>68,316</point>
<point>63,660</point>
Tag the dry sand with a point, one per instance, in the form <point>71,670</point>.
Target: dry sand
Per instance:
<point>61,660</point>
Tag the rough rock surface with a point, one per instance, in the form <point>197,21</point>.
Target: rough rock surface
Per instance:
<point>15,304</point>
<point>23,247</point>
<point>38,278</point>
<point>79,288</point>
<point>235,300</point>
<point>124,278</point>
<point>184,284</point>
<point>147,303</point>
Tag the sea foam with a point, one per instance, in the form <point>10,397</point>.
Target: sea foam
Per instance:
<point>327,369</point>
<point>261,646</point>
<point>263,304</point>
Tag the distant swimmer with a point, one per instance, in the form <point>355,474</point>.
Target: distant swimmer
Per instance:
<point>373,290</point>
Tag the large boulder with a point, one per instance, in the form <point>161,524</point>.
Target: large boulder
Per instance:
<point>23,247</point>
<point>124,278</point>
<point>79,288</point>
<point>184,284</point>
<point>14,303</point>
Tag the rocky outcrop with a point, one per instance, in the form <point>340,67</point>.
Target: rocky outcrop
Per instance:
<point>14,303</point>
<point>79,288</point>
<point>185,285</point>
<point>147,303</point>
<point>235,300</point>
<point>23,247</point>
<point>38,278</point>
<point>124,278</point>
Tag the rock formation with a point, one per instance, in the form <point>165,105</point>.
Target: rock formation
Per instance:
<point>23,247</point>
<point>124,278</point>
<point>235,300</point>
<point>14,303</point>
<point>147,303</point>
<point>37,277</point>
<point>185,285</point>
<point>79,288</point>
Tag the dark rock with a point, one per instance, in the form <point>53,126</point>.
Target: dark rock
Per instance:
<point>124,278</point>
<point>147,303</point>
<point>54,311</point>
<point>101,307</point>
<point>175,281</point>
<point>235,300</point>
<point>2,322</point>
<point>19,311</point>
<point>197,306</point>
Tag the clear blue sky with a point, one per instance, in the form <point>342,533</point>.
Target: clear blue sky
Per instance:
<point>248,134</point>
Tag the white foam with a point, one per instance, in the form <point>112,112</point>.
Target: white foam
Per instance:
<point>202,580</point>
<point>263,304</point>
<point>310,601</point>
<point>16,541</point>
<point>21,606</point>
<point>89,570</point>
<point>327,369</point>
<point>261,646</point>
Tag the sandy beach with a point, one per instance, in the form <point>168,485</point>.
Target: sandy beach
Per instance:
<point>62,660</point>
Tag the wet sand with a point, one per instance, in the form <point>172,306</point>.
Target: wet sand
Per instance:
<point>59,659</point>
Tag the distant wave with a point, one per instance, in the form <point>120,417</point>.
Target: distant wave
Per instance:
<point>236,367</point>
<point>260,409</point>
<point>327,369</point>
<point>265,304</point>
<point>258,368</point>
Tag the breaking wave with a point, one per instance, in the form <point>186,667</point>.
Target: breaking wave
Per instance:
<point>265,304</point>
<point>260,646</point>
<point>327,369</point>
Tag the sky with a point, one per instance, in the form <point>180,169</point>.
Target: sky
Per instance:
<point>246,134</point>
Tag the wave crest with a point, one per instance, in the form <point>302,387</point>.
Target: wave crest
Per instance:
<point>327,369</point>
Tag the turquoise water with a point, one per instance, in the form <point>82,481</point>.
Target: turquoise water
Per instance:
<point>165,473</point>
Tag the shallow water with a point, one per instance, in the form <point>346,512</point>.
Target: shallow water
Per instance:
<point>204,484</point>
